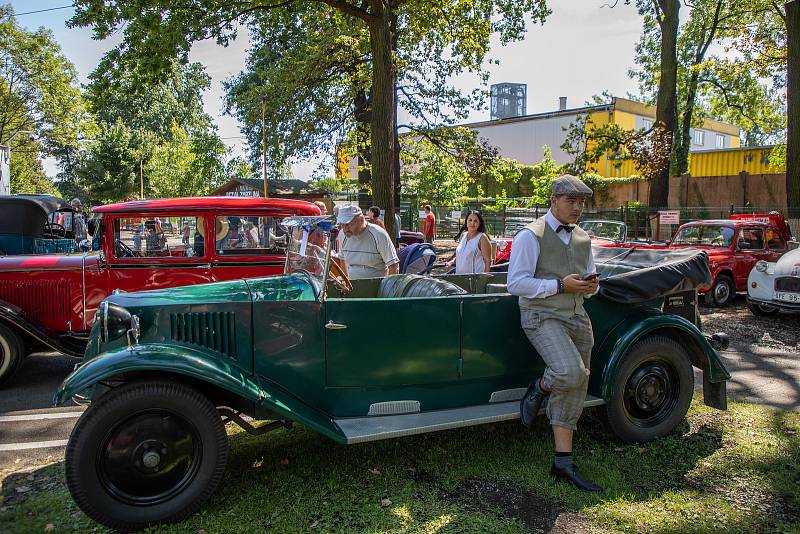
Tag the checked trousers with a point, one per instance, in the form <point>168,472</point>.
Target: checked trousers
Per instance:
<point>565,345</point>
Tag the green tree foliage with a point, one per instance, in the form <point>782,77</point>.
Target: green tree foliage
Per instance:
<point>182,166</point>
<point>108,166</point>
<point>769,43</point>
<point>157,129</point>
<point>709,85</point>
<point>38,92</point>
<point>461,29</point>
<point>27,174</point>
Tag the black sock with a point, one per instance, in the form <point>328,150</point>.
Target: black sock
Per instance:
<point>563,460</point>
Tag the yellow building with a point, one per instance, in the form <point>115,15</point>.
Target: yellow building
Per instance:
<point>715,148</point>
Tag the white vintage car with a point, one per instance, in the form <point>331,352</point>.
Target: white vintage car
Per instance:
<point>775,286</point>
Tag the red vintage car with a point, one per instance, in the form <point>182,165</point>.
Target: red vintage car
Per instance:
<point>733,246</point>
<point>604,233</point>
<point>51,300</point>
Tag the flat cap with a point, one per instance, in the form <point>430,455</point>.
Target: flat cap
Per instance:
<point>570,186</point>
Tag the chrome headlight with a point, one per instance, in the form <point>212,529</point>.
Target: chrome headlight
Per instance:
<point>761,266</point>
<point>502,245</point>
<point>114,321</point>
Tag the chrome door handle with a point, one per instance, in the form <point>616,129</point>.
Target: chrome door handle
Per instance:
<point>330,325</point>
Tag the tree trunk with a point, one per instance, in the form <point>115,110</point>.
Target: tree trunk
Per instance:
<point>666,101</point>
<point>793,104</point>
<point>363,115</point>
<point>685,140</point>
<point>382,96</point>
<point>390,224</point>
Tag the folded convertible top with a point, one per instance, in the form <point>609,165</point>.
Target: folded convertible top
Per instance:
<point>634,275</point>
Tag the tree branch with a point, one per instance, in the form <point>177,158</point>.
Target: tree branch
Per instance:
<point>350,9</point>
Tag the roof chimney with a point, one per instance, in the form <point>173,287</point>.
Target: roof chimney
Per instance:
<point>562,103</point>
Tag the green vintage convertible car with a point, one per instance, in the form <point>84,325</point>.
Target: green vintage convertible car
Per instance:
<point>165,369</point>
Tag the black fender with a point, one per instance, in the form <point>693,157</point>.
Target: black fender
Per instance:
<point>15,318</point>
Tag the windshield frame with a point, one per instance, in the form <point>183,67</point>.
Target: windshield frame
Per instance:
<point>708,228</point>
<point>322,224</point>
<point>623,233</point>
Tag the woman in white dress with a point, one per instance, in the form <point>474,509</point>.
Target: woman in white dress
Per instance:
<point>474,251</point>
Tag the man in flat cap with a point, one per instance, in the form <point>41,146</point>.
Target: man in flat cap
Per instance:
<point>552,271</point>
<point>367,249</point>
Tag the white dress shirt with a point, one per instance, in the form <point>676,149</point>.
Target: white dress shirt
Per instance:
<point>524,257</point>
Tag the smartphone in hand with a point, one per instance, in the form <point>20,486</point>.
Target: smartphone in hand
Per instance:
<point>589,277</point>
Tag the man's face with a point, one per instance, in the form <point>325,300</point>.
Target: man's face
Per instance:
<point>354,227</point>
<point>568,209</point>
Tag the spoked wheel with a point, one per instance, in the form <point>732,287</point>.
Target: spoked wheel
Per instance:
<point>652,390</point>
<point>12,350</point>
<point>146,453</point>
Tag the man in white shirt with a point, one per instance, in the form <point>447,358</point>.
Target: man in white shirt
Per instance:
<point>552,271</point>
<point>366,248</point>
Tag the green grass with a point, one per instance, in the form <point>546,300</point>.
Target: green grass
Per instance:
<point>735,471</point>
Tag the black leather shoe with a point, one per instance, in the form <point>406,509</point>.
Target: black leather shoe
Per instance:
<point>575,478</point>
<point>531,403</point>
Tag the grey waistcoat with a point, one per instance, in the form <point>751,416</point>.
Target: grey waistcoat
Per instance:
<point>557,260</point>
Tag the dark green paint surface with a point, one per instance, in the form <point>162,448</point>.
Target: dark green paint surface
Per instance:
<point>444,352</point>
<point>392,342</point>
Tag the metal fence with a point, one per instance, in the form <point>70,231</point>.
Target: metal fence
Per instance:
<point>503,220</point>
<point>641,222</point>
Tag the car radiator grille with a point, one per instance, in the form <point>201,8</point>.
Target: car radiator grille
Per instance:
<point>41,300</point>
<point>211,330</point>
<point>788,283</point>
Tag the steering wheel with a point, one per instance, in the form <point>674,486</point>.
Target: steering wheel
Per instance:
<point>56,230</point>
<point>337,275</point>
<point>122,250</point>
<point>718,241</point>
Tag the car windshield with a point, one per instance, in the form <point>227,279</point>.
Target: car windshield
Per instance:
<point>708,235</point>
<point>307,252</point>
<point>608,230</point>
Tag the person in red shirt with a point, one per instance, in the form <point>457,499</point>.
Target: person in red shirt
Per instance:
<point>429,225</point>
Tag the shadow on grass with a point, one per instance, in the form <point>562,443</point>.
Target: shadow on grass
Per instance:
<point>491,478</point>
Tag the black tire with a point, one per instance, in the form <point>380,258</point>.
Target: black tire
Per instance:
<point>652,390</point>
<point>12,350</point>
<point>722,292</point>
<point>761,310</point>
<point>113,456</point>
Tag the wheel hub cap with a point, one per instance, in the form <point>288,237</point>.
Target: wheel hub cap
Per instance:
<point>149,457</point>
<point>650,392</point>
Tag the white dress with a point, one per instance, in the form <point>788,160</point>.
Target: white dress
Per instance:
<point>468,256</point>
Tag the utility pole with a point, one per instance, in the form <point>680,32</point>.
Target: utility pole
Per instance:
<point>5,177</point>
<point>264,144</point>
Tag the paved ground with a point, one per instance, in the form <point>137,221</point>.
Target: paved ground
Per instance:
<point>30,429</point>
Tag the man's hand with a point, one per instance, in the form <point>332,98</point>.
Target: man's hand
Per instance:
<point>394,268</point>
<point>574,284</point>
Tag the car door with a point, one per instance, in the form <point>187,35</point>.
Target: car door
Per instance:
<point>142,256</point>
<point>377,342</point>
<point>776,245</point>
<point>750,249</point>
<point>247,245</point>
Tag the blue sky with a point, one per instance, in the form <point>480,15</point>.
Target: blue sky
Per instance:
<point>583,49</point>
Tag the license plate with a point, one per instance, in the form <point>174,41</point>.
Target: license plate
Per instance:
<point>787,297</point>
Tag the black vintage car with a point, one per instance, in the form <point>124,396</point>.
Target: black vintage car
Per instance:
<point>36,224</point>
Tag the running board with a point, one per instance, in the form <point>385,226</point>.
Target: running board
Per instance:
<point>361,429</point>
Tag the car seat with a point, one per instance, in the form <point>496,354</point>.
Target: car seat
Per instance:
<point>413,285</point>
